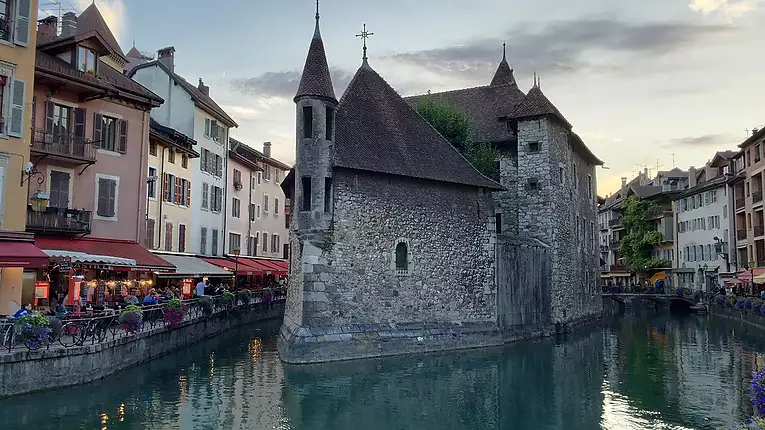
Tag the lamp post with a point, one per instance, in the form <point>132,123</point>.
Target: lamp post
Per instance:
<point>750,266</point>
<point>236,251</point>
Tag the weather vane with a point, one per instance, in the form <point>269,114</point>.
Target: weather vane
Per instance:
<point>364,35</point>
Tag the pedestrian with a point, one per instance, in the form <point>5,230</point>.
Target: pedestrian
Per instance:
<point>200,288</point>
<point>25,310</point>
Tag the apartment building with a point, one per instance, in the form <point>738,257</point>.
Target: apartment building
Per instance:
<point>241,225</point>
<point>748,185</point>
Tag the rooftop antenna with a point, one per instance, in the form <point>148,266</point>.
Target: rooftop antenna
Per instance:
<point>673,160</point>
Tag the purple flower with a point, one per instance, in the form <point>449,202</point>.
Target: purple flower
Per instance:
<point>757,391</point>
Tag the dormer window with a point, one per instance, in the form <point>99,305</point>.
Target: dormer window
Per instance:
<point>86,60</point>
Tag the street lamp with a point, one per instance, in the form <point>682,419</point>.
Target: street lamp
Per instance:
<point>719,244</point>
<point>39,201</point>
<point>236,251</point>
<point>750,266</point>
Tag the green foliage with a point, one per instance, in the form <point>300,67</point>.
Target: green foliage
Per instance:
<point>132,309</point>
<point>456,127</point>
<point>227,297</point>
<point>34,320</point>
<point>175,304</point>
<point>637,246</point>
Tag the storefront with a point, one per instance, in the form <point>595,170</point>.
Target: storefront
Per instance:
<point>188,271</point>
<point>19,261</point>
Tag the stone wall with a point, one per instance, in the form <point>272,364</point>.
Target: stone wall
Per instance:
<point>352,292</point>
<point>27,371</point>
<point>507,201</point>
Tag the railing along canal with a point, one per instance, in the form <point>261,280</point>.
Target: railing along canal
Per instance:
<point>73,331</point>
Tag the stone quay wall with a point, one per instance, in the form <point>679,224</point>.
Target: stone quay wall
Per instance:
<point>26,371</point>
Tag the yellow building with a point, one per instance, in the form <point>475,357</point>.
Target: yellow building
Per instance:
<point>17,71</point>
<point>169,217</point>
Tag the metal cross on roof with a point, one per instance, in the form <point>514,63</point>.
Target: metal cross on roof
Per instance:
<point>364,35</point>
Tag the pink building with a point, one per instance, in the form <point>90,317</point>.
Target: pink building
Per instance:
<point>89,145</point>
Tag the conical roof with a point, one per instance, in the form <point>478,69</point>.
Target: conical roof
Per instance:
<point>376,130</point>
<point>504,73</point>
<point>316,81</point>
<point>537,104</point>
<point>91,20</point>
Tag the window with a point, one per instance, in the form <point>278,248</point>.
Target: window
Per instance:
<point>275,246</point>
<point>107,197</point>
<point>59,189</point>
<point>216,199</point>
<point>234,243</point>
<point>249,246</point>
<point>168,236</point>
<point>58,121</point>
<point>171,156</point>
<point>276,206</point>
<point>260,178</point>
<point>265,203</point>
<point>150,223</point>
<point>589,186</point>
<point>533,184</point>
<point>561,175</point>
<point>264,245</point>
<point>307,122</point>
<point>181,238</point>
<point>257,211</point>
<point>252,182</point>
<point>153,148</point>
<point>757,153</point>
<point>110,133</point>
<point>169,188</point>
<point>185,193</point>
<point>235,208</point>
<point>277,174</point>
<point>330,122</point>
<point>218,166</point>
<point>533,146</point>
<point>6,16</point>
<point>306,194</point>
<point>203,243</point>
<point>267,172</point>
<point>184,161</point>
<point>152,183</point>
<point>747,189</point>
<point>211,128</point>
<point>327,194</point>
<point>498,223</point>
<point>725,211</point>
<point>402,257</point>
<point>205,195</point>
<point>255,243</point>
<point>214,235</point>
<point>237,179</point>
<point>252,211</point>
<point>87,59</point>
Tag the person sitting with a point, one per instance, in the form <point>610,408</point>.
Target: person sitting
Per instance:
<point>25,310</point>
<point>150,299</point>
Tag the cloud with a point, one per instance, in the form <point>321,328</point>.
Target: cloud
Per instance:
<point>731,8</point>
<point>560,47</point>
<point>284,84</point>
<point>704,140</point>
<point>113,11</point>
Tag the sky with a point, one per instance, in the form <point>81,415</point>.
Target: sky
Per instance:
<point>655,83</point>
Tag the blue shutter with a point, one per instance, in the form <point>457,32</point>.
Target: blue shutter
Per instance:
<point>16,120</point>
<point>23,14</point>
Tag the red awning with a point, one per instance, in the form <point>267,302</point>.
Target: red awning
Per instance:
<point>746,275</point>
<point>243,266</point>
<point>274,266</point>
<point>111,247</point>
<point>22,254</point>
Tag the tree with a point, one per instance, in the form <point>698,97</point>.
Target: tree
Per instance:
<point>456,128</point>
<point>637,246</point>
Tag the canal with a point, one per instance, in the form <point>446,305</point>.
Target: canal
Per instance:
<point>636,372</point>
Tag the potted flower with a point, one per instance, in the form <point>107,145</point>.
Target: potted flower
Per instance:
<point>131,319</point>
<point>174,312</point>
<point>34,330</point>
<point>205,302</point>
<point>243,297</point>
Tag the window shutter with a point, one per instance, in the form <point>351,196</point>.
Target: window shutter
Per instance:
<point>97,123</point>
<point>220,199</point>
<point>18,95</point>
<point>207,126</point>
<point>214,128</point>
<point>181,238</point>
<point>219,165</point>
<point>150,233</point>
<point>49,117</point>
<point>188,193</point>
<point>123,136</point>
<point>203,160</point>
<point>103,198</point>
<point>165,187</point>
<point>178,190</point>
<point>23,14</point>
<point>79,122</point>
<point>112,197</point>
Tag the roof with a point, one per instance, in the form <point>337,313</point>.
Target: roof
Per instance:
<point>249,150</point>
<point>713,183</point>
<point>377,131</point>
<point>578,144</point>
<point>316,81</point>
<point>674,173</point>
<point>724,157</point>
<point>108,80</point>
<point>537,104</point>
<point>504,73</point>
<point>91,20</point>
<point>201,99</point>
<point>173,138</point>
<point>760,134</point>
<point>645,191</point>
<point>484,106</point>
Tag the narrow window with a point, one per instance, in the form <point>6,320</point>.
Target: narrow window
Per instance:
<point>498,222</point>
<point>330,122</point>
<point>327,194</point>
<point>306,203</point>
<point>533,184</point>
<point>401,257</point>
<point>307,122</point>
<point>533,146</point>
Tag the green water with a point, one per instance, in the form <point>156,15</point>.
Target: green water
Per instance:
<point>645,372</point>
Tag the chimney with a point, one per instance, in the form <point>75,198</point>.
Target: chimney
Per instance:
<point>267,149</point>
<point>691,177</point>
<point>166,56</point>
<point>624,182</point>
<point>755,130</point>
<point>204,88</point>
<point>47,25</point>
<point>68,24</point>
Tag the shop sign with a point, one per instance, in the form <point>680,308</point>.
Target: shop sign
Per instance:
<point>42,288</point>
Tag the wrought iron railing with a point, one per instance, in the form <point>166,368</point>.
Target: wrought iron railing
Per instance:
<point>74,331</point>
<point>59,220</point>
<point>740,203</point>
<point>63,144</point>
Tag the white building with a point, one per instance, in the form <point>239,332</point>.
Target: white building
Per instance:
<point>190,110</point>
<point>703,216</point>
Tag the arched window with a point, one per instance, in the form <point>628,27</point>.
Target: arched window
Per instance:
<point>402,256</point>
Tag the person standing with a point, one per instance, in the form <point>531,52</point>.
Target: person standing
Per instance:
<point>200,288</point>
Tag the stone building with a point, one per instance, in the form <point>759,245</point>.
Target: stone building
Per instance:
<point>394,233</point>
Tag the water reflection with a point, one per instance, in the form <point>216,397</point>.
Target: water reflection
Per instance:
<point>636,373</point>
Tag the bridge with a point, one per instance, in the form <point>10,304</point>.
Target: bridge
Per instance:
<point>630,299</point>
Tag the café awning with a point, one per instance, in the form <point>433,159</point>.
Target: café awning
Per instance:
<point>108,252</point>
<point>22,254</point>
<point>82,257</point>
<point>242,266</point>
<point>191,267</point>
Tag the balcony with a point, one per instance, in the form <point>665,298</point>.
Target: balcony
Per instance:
<point>741,234</point>
<point>59,222</point>
<point>617,222</point>
<point>604,248</point>
<point>740,203</point>
<point>759,230</point>
<point>614,243</point>
<point>63,146</point>
<point>756,196</point>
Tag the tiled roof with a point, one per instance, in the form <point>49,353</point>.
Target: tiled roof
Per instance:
<point>107,80</point>
<point>760,134</point>
<point>91,20</point>
<point>504,73</point>
<point>484,106</point>
<point>377,131</point>
<point>173,137</point>
<point>316,81</point>
<point>674,173</point>
<point>645,191</point>
<point>247,148</point>
<point>537,104</point>
<point>199,97</point>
